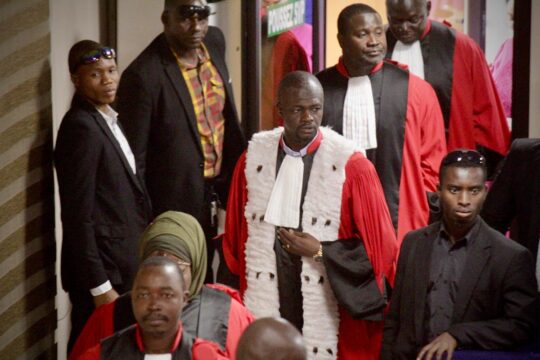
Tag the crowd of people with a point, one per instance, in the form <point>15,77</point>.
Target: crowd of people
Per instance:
<point>363,228</point>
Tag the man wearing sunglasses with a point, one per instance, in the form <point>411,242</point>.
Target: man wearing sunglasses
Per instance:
<point>176,104</point>
<point>460,283</point>
<point>104,204</point>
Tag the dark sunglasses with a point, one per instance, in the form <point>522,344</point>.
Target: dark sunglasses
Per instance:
<point>458,156</point>
<point>188,11</point>
<point>94,56</point>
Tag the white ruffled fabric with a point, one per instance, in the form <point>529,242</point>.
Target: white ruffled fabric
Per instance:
<point>322,202</point>
<point>359,121</point>
<point>410,55</point>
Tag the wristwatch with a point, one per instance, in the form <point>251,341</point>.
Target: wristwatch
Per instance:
<point>318,255</point>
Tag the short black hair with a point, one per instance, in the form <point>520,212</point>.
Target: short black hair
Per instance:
<point>463,163</point>
<point>162,261</point>
<point>169,4</point>
<point>346,14</point>
<point>78,50</point>
<point>297,80</point>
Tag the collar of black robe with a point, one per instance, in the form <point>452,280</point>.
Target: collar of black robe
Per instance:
<point>308,149</point>
<point>438,53</point>
<point>174,345</point>
<point>427,29</point>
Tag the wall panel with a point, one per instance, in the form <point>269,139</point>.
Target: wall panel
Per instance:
<point>27,246</point>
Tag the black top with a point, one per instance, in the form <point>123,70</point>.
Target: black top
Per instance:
<point>447,263</point>
<point>513,202</point>
<point>104,206</point>
<point>123,345</point>
<point>495,306</point>
<point>156,109</point>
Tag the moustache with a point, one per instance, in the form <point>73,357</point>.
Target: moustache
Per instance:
<point>154,316</point>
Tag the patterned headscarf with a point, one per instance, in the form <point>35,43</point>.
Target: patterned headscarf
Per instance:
<point>181,235</point>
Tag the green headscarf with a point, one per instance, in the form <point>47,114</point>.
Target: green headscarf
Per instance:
<point>180,234</point>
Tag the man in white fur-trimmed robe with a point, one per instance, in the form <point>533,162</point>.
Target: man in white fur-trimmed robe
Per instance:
<point>308,231</point>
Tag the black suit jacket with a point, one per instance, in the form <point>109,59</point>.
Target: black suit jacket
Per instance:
<point>104,206</point>
<point>156,110</point>
<point>495,304</point>
<point>515,195</point>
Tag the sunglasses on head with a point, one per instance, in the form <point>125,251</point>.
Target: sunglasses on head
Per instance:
<point>94,56</point>
<point>458,156</point>
<point>188,11</point>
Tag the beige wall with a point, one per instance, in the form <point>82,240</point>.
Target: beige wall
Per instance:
<point>27,247</point>
<point>333,8</point>
<point>138,24</point>
<point>71,21</point>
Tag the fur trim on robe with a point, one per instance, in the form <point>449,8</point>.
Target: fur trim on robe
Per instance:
<point>321,218</point>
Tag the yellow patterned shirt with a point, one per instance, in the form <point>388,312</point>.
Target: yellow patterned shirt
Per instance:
<point>207,92</point>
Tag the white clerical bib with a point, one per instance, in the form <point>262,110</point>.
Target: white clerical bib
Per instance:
<point>284,204</point>
<point>410,55</point>
<point>359,122</point>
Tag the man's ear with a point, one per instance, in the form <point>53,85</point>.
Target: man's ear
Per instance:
<point>164,17</point>
<point>340,40</point>
<point>186,296</point>
<point>278,105</point>
<point>75,80</point>
<point>428,7</point>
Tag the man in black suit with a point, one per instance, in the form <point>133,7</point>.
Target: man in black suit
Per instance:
<point>104,204</point>
<point>460,283</point>
<point>176,103</point>
<point>513,202</point>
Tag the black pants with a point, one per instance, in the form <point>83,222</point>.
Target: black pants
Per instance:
<point>209,226</point>
<point>82,306</point>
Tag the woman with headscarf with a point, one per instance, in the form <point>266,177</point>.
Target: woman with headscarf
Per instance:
<point>214,312</point>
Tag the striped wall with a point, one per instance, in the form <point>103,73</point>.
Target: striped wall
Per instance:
<point>27,246</point>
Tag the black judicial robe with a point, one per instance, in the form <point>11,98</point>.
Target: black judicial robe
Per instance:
<point>410,137</point>
<point>456,67</point>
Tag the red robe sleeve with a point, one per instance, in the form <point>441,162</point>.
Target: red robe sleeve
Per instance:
<point>99,326</point>
<point>239,319</point>
<point>364,215</point>
<point>423,150</point>
<point>207,350</point>
<point>477,115</point>
<point>235,235</point>
<point>94,353</point>
<point>432,147</point>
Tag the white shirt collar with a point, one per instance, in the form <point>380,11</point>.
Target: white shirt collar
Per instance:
<point>300,153</point>
<point>110,114</point>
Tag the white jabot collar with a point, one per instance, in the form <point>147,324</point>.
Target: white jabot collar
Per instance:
<point>359,121</point>
<point>410,55</point>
